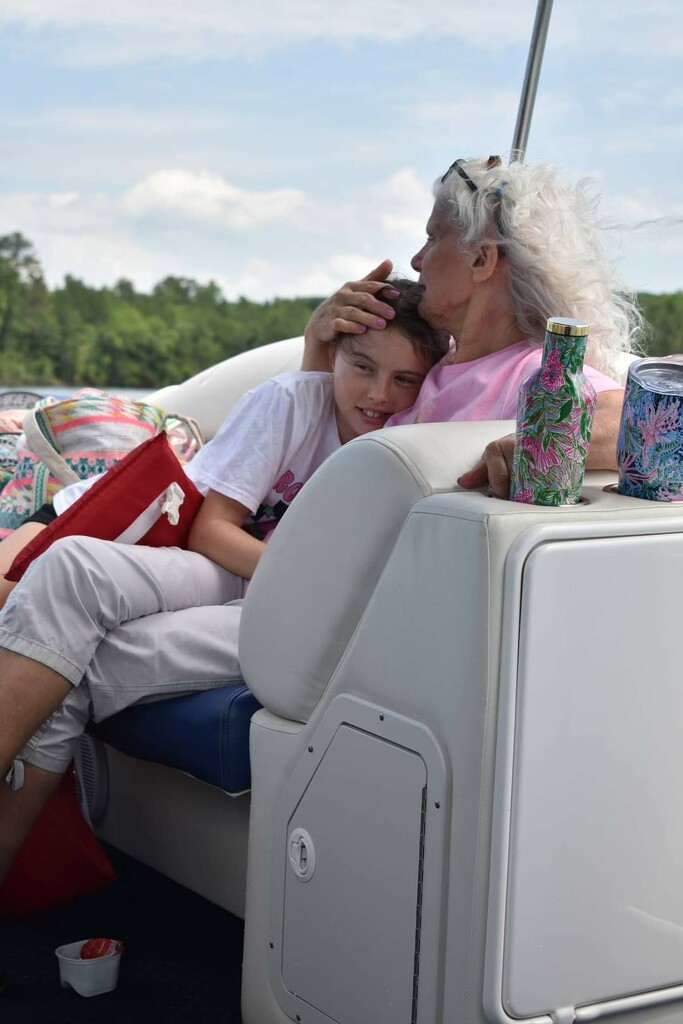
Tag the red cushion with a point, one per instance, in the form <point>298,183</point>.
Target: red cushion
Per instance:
<point>117,499</point>
<point>60,860</point>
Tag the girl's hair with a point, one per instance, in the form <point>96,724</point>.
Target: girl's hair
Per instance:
<point>432,342</point>
<point>547,231</point>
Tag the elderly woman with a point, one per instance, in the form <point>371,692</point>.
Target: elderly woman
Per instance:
<point>507,247</point>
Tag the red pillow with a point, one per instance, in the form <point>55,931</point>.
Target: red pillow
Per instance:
<point>115,501</point>
<point>60,860</point>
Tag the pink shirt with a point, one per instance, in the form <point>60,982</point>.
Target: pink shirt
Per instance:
<point>483,389</point>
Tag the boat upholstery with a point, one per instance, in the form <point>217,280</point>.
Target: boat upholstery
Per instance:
<point>465,764</point>
<point>205,734</point>
<point>209,395</point>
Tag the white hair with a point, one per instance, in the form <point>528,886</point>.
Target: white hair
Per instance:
<point>548,233</point>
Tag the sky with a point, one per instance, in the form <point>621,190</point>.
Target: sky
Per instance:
<point>282,147</point>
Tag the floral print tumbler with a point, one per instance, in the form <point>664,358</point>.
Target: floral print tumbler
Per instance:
<point>650,445</point>
<point>554,421</point>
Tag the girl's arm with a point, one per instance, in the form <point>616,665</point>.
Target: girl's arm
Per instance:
<point>217,533</point>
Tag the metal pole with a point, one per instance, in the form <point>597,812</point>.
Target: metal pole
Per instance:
<point>533,70</point>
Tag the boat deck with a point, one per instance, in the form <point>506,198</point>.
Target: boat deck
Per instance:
<point>182,962</point>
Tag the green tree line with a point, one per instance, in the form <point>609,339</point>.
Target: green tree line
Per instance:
<point>119,337</point>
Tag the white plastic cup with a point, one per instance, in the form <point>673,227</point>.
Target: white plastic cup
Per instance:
<point>87,977</point>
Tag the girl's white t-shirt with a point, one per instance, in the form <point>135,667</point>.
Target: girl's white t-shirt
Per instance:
<point>270,445</point>
<point>272,442</point>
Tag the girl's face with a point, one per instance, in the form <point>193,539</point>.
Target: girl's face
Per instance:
<point>375,375</point>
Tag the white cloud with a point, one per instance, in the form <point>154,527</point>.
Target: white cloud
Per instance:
<point>271,243</point>
<point>182,170</point>
<point>258,243</point>
<point>468,109</point>
<point>208,199</point>
<point>334,270</point>
<point>322,278</point>
<point>111,121</point>
<point>643,207</point>
<point>647,238</point>
<point>391,19</point>
<point>482,120</point>
<point>401,203</point>
<point>660,138</point>
<point>51,213</point>
<point>83,33</point>
<point>627,27</point>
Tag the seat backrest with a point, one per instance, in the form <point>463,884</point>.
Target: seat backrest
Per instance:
<point>319,571</point>
<point>210,395</point>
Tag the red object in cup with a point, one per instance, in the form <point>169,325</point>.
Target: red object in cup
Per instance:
<point>94,948</point>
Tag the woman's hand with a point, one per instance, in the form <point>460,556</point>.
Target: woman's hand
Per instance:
<point>494,468</point>
<point>495,465</point>
<point>351,310</point>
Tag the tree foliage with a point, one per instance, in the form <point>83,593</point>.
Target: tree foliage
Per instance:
<point>119,337</point>
<point>664,316</point>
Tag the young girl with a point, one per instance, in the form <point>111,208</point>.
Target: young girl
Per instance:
<point>95,626</point>
<point>280,432</point>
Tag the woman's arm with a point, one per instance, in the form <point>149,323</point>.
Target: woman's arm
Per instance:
<point>602,451</point>
<point>496,463</point>
<point>217,533</point>
<point>351,310</point>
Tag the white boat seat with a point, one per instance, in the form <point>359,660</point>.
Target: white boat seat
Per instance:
<point>462,772</point>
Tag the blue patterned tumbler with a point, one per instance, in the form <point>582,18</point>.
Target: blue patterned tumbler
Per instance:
<point>650,445</point>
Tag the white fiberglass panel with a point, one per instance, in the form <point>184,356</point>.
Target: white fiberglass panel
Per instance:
<point>349,935</point>
<point>594,902</point>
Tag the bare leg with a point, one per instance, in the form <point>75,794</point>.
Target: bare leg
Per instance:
<point>9,549</point>
<point>80,591</point>
<point>19,810</point>
<point>29,693</point>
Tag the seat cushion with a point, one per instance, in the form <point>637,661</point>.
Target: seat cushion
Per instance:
<point>205,734</point>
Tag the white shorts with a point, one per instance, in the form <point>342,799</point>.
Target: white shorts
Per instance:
<point>122,623</point>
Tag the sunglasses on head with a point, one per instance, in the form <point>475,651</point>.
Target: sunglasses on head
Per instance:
<point>457,166</point>
<point>493,161</point>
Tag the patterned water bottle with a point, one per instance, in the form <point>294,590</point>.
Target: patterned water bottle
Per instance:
<point>554,420</point>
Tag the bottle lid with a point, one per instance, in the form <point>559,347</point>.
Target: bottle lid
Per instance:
<point>565,325</point>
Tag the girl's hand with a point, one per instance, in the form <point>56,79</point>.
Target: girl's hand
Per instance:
<point>352,310</point>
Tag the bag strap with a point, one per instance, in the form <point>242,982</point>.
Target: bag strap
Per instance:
<point>40,446</point>
<point>184,434</point>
